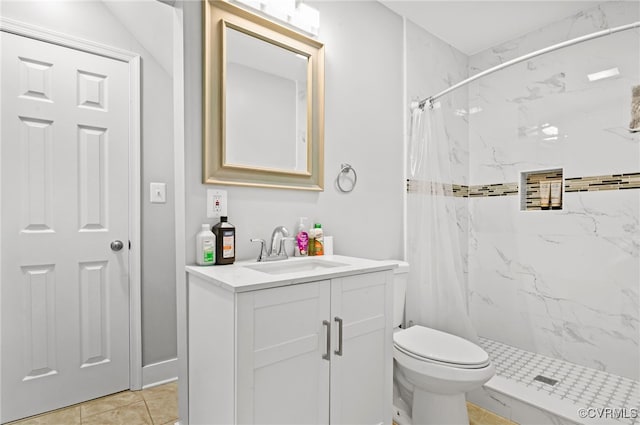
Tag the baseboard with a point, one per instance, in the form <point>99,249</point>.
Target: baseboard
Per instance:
<point>159,373</point>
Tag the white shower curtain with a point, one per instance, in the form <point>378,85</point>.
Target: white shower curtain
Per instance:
<point>436,292</point>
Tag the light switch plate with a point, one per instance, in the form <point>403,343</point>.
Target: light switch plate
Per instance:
<point>216,203</point>
<point>158,193</point>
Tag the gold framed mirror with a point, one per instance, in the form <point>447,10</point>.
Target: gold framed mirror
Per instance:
<point>263,105</point>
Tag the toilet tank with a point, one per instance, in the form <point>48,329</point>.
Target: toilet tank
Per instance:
<point>400,277</point>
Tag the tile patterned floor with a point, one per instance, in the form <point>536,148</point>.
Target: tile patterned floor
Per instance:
<point>582,386</point>
<point>159,406</point>
<point>480,416</point>
<point>153,406</point>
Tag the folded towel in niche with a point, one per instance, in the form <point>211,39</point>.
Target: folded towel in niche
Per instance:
<point>635,110</point>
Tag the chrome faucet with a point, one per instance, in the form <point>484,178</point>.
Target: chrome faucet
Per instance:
<point>277,249</point>
<point>277,241</point>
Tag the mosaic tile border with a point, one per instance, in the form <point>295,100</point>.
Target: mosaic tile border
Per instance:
<point>435,188</point>
<point>606,182</point>
<point>461,190</point>
<point>571,184</point>
<point>498,189</point>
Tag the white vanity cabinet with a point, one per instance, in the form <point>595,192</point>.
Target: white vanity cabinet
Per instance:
<point>362,376</point>
<point>313,352</point>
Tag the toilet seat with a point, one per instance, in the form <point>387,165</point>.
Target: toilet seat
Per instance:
<point>433,346</point>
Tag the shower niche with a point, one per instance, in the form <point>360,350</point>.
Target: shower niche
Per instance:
<point>541,190</point>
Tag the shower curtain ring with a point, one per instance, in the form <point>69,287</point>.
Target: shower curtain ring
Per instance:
<point>344,170</point>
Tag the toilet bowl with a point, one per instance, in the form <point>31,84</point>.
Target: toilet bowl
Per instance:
<point>432,369</point>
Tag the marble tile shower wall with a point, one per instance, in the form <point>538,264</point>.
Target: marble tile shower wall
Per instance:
<point>565,284</point>
<point>425,76</point>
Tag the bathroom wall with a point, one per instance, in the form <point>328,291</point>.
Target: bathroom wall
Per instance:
<point>561,283</point>
<point>101,22</point>
<point>363,127</point>
<point>433,65</point>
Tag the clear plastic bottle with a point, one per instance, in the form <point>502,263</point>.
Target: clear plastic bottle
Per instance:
<point>205,247</point>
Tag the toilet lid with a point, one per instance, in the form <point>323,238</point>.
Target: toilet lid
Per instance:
<point>440,346</point>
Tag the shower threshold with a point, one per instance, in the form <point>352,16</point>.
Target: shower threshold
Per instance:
<point>569,393</point>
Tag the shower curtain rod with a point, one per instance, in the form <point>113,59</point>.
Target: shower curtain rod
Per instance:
<point>421,104</point>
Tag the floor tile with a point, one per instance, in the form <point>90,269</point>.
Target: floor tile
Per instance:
<point>170,389</point>
<point>491,418</point>
<point>132,414</point>
<point>475,414</point>
<point>162,413</point>
<point>68,416</point>
<point>480,416</point>
<point>162,402</point>
<point>111,402</point>
<point>163,409</point>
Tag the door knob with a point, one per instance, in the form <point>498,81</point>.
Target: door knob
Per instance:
<point>116,245</point>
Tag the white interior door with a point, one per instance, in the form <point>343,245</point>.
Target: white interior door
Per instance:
<point>64,186</point>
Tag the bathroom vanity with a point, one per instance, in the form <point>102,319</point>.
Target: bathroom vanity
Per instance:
<point>305,340</point>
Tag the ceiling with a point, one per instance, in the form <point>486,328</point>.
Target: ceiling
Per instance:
<point>472,26</point>
<point>151,24</point>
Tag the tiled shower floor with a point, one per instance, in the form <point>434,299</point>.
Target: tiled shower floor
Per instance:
<point>577,385</point>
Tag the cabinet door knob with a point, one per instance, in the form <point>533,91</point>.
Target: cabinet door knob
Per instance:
<point>339,350</point>
<point>326,356</point>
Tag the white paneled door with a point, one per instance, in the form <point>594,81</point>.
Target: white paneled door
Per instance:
<point>64,209</point>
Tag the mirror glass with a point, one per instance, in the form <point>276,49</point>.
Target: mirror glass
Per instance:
<point>265,104</point>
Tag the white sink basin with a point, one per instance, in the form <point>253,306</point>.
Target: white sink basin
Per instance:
<point>295,266</point>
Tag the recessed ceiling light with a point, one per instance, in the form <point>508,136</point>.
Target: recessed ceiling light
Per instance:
<point>607,73</point>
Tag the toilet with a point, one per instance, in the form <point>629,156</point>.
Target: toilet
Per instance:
<point>432,370</point>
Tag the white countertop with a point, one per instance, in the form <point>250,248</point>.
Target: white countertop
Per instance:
<point>238,277</point>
